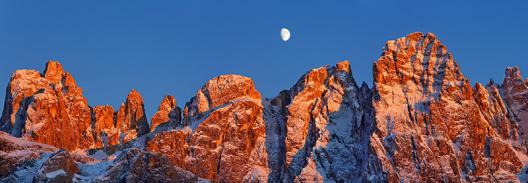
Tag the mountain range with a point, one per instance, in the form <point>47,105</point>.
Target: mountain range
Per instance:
<point>421,121</point>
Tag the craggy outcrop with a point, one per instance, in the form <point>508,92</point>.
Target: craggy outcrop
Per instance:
<point>131,120</point>
<point>168,114</point>
<point>322,128</point>
<point>105,131</point>
<point>515,91</point>
<point>47,108</point>
<point>429,127</point>
<point>134,165</point>
<point>222,137</point>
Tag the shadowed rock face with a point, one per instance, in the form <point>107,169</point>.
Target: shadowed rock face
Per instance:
<point>11,155</point>
<point>323,126</point>
<point>421,122</point>
<point>134,165</point>
<point>60,167</point>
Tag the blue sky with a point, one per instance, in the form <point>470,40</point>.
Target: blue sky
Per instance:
<point>174,47</point>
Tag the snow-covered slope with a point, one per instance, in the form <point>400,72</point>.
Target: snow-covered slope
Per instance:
<point>25,162</point>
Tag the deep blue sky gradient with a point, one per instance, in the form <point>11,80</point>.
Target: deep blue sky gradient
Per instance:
<point>174,47</point>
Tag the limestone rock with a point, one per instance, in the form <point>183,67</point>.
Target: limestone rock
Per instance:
<point>106,133</point>
<point>223,136</point>
<point>48,109</point>
<point>429,128</point>
<point>168,114</point>
<point>131,119</point>
<point>323,123</point>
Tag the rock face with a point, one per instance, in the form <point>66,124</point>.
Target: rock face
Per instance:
<point>168,114</point>
<point>15,152</point>
<point>60,167</point>
<point>515,91</point>
<point>429,127</point>
<point>47,108</point>
<point>131,119</point>
<point>421,122</point>
<point>222,137</point>
<point>319,129</point>
<point>51,109</point>
<point>106,133</point>
<point>24,161</point>
<point>133,165</point>
<point>497,113</point>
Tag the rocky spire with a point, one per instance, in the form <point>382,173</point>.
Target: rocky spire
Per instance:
<point>54,72</point>
<point>168,114</point>
<point>514,86</point>
<point>131,119</point>
<point>515,92</point>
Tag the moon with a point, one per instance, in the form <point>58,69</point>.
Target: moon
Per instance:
<point>285,34</point>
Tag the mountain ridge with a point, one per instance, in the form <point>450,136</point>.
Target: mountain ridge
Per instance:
<point>325,128</point>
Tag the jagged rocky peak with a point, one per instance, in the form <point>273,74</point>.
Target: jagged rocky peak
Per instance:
<point>131,120</point>
<point>54,72</point>
<point>513,83</point>
<point>23,84</point>
<point>219,91</point>
<point>225,88</point>
<point>39,108</point>
<point>319,132</point>
<point>416,80</point>
<point>513,73</point>
<point>515,91</point>
<point>418,62</point>
<point>223,136</point>
<point>412,71</point>
<point>168,114</point>
<point>61,79</point>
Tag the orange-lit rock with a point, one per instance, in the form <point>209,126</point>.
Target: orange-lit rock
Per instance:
<point>430,124</point>
<point>104,127</point>
<point>226,143</point>
<point>422,121</point>
<point>131,120</point>
<point>48,109</point>
<point>168,114</point>
<point>516,96</point>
